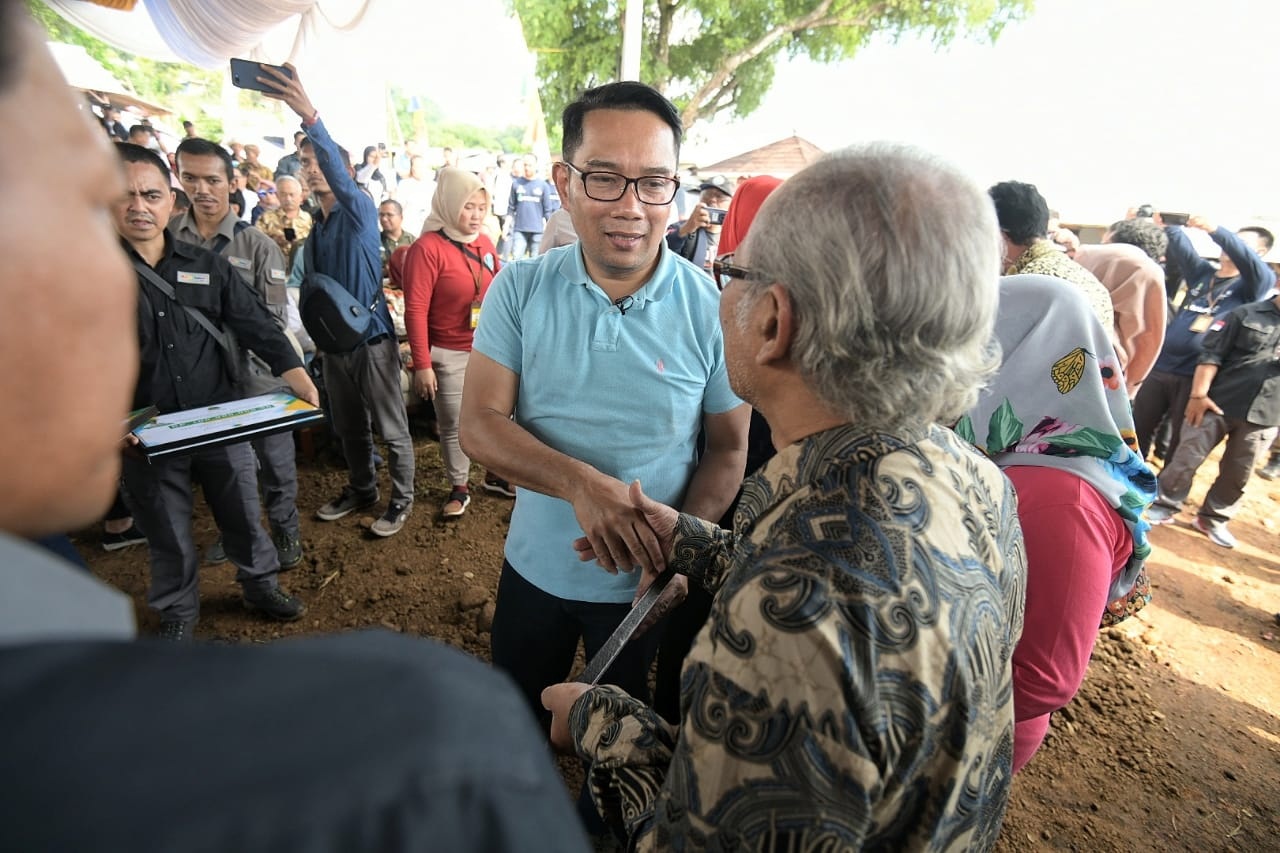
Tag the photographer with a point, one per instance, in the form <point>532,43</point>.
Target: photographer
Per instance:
<point>695,238</point>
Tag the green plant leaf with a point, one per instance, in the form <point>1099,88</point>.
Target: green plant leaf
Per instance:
<point>1004,430</point>
<point>1087,442</point>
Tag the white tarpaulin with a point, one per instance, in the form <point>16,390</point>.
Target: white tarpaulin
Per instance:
<point>318,36</point>
<point>208,34</point>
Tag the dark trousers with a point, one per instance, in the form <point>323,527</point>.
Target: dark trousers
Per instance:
<point>160,497</point>
<point>278,477</point>
<point>1246,442</point>
<point>535,636</point>
<point>364,394</point>
<point>1161,393</point>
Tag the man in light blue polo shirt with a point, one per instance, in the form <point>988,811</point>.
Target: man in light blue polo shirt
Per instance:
<point>594,365</point>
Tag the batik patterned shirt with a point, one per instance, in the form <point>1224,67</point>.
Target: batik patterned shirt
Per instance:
<point>1042,258</point>
<point>852,688</point>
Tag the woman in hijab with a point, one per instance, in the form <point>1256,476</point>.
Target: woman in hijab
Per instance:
<point>746,202</point>
<point>1056,419</point>
<point>446,275</point>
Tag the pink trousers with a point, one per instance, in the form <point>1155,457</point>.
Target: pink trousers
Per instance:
<point>1076,546</point>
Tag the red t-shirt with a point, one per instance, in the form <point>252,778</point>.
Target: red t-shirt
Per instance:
<point>442,280</point>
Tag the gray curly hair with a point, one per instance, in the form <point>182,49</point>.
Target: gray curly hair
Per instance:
<point>891,259</point>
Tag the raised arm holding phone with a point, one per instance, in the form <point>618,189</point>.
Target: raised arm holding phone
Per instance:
<point>363,383</point>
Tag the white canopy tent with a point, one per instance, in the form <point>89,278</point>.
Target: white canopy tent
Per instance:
<point>311,34</point>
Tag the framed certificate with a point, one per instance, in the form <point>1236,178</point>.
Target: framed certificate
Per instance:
<point>224,423</point>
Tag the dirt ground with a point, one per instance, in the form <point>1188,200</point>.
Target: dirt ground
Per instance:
<point>1173,743</point>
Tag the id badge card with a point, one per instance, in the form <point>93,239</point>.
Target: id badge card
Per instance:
<point>475,315</point>
<point>1198,325</point>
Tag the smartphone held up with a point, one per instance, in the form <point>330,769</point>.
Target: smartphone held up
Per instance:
<point>245,74</point>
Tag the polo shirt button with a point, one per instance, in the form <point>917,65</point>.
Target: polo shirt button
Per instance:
<point>177,379</point>
<point>160,314</point>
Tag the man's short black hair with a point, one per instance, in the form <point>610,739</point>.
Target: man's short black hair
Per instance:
<point>626,95</point>
<point>140,128</point>
<point>131,153</point>
<point>1143,233</point>
<point>1268,239</point>
<point>181,201</point>
<point>344,153</point>
<point>1021,211</point>
<point>197,147</point>
<point>391,201</point>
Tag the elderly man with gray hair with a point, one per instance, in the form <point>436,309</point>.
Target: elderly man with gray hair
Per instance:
<point>289,225</point>
<point>852,688</point>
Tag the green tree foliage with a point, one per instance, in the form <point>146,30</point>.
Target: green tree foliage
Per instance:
<point>712,56</point>
<point>184,89</point>
<point>443,132</point>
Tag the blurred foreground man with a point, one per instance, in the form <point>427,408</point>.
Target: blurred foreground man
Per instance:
<point>393,743</point>
<point>852,688</point>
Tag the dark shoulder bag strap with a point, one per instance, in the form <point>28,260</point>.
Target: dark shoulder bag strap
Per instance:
<point>152,278</point>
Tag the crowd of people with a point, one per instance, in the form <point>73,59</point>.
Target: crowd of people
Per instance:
<point>882,434</point>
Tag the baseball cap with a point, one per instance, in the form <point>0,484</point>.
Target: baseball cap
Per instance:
<point>717,182</point>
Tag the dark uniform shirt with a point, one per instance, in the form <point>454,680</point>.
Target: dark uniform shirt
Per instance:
<point>182,365</point>
<point>1246,347</point>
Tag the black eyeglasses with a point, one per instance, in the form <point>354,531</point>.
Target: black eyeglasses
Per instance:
<point>610,186</point>
<point>724,271</point>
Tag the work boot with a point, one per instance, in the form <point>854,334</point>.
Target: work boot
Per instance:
<point>288,547</point>
<point>177,630</point>
<point>274,603</point>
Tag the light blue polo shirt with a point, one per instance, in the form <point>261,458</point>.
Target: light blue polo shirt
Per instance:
<point>623,392</point>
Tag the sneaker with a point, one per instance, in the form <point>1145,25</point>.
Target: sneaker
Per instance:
<point>498,486</point>
<point>346,503</point>
<point>288,547</point>
<point>1218,533</point>
<point>123,539</point>
<point>393,519</point>
<point>215,553</point>
<point>457,504</point>
<point>177,631</point>
<point>274,603</point>
<point>1271,470</point>
<point>1157,515</point>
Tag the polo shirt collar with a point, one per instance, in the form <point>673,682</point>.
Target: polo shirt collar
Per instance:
<point>226,228</point>
<point>573,268</point>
